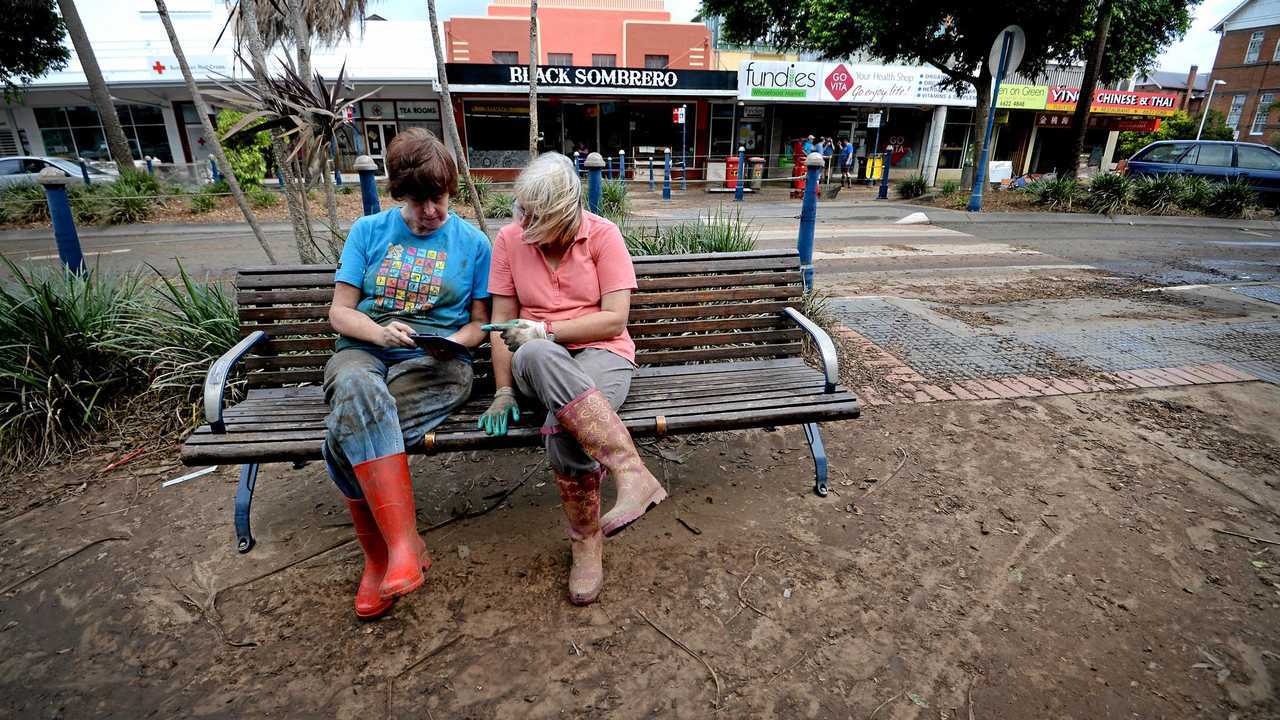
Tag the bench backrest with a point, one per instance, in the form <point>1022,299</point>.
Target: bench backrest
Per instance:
<point>688,308</point>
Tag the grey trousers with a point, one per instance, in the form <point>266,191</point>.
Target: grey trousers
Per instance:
<point>555,376</point>
<point>376,409</point>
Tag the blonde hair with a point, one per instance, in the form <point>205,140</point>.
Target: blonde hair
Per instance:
<point>549,194</point>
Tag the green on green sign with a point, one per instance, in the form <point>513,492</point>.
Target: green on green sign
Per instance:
<point>778,92</point>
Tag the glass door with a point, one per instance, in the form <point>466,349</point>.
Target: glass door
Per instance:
<point>378,136</point>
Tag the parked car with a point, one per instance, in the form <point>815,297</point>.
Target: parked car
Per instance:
<point>1213,159</point>
<point>18,169</point>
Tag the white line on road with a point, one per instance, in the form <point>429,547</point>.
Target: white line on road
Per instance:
<point>868,231</point>
<point>96,252</point>
<point>921,250</point>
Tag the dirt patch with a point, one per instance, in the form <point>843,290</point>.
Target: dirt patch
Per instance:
<point>974,318</point>
<point>1193,427</point>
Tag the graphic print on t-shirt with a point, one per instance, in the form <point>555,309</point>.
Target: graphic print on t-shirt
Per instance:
<point>409,279</point>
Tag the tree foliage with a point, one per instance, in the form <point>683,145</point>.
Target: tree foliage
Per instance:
<point>1140,31</point>
<point>30,44</point>
<point>1179,126</point>
<point>248,156</point>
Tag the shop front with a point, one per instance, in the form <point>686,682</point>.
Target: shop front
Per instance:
<point>585,109</point>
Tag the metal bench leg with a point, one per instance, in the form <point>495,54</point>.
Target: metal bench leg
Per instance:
<point>244,498</point>
<point>819,458</point>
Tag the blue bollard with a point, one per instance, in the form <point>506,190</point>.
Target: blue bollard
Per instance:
<point>280,178</point>
<point>809,216</point>
<point>337,174</point>
<point>150,168</point>
<point>594,164</point>
<point>84,172</point>
<point>684,175</point>
<point>666,174</point>
<point>887,159</point>
<point>622,165</point>
<point>64,226</point>
<point>609,168</point>
<point>368,185</point>
<point>742,170</point>
<point>213,170</point>
<point>651,173</point>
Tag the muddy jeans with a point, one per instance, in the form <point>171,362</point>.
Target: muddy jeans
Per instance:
<point>377,409</point>
<point>555,376</point>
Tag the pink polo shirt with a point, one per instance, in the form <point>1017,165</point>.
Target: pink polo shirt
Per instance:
<point>595,264</point>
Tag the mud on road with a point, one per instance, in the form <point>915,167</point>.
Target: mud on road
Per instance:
<point>1056,557</point>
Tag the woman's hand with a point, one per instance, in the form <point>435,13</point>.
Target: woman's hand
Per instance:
<point>396,334</point>
<point>502,410</point>
<point>518,332</point>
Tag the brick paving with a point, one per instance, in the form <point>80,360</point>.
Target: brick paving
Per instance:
<point>928,357</point>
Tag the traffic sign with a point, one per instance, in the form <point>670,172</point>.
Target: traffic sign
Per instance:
<point>1017,48</point>
<point>873,120</point>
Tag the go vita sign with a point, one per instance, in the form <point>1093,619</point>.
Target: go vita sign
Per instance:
<point>846,83</point>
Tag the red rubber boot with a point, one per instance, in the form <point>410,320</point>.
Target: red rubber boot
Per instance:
<point>389,493</point>
<point>580,496</point>
<point>369,604</point>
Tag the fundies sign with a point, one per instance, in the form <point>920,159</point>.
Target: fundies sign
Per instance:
<point>846,83</point>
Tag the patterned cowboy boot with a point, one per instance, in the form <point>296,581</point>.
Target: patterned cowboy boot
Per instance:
<point>600,431</point>
<point>580,496</point>
<point>369,604</point>
<point>389,493</point>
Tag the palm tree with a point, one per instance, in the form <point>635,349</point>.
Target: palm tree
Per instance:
<point>117,143</point>
<point>533,79</point>
<point>451,124</point>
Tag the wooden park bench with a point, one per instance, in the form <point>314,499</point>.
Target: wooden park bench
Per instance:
<point>718,339</point>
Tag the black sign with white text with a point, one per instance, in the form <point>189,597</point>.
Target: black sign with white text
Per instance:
<point>573,78</point>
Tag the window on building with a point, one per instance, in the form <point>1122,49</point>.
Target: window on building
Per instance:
<point>506,57</point>
<point>657,62</point>
<point>559,58</point>
<point>609,60</point>
<point>1256,158</point>
<point>721,130</point>
<point>76,131</point>
<point>1237,107</point>
<point>1255,46</point>
<point>1261,113</point>
<point>1275,56</point>
<point>955,138</point>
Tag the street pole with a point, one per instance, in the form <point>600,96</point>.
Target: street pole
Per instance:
<point>808,215</point>
<point>368,185</point>
<point>980,174</point>
<point>650,172</point>
<point>64,226</point>
<point>1212,86</point>
<point>666,173</point>
<point>684,150</point>
<point>885,160</point>
<point>594,165</point>
<point>869,180</point>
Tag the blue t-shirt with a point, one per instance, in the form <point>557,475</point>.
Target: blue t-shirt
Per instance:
<point>425,281</point>
<point>808,147</point>
<point>846,153</point>
<point>827,149</point>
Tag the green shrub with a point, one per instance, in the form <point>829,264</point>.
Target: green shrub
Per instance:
<point>1061,193</point>
<point>60,366</point>
<point>1110,193</point>
<point>719,231</point>
<point>346,190</point>
<point>248,154</point>
<point>262,199</point>
<point>203,202</point>
<point>24,203</point>
<point>912,187</point>
<point>950,187</point>
<point>1231,198</point>
<point>613,200</point>
<point>1159,194</point>
<point>1195,193</point>
<point>484,189</point>
<point>498,205</point>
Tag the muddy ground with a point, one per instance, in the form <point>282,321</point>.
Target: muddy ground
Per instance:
<point>1039,558</point>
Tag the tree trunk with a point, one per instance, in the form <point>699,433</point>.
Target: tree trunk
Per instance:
<point>301,38</point>
<point>979,132</point>
<point>203,111</point>
<point>331,200</point>
<point>117,143</point>
<point>307,248</point>
<point>451,124</point>
<point>1069,166</point>
<point>533,79</point>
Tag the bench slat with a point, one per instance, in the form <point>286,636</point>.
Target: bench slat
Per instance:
<point>710,339</point>
<point>698,297</point>
<point>665,357</point>
<point>679,282</point>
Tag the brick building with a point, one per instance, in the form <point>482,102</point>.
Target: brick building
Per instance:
<point>1248,61</point>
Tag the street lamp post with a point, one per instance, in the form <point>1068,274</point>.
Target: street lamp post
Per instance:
<point>1212,86</point>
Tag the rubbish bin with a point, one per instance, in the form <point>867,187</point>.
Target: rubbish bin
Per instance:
<point>757,172</point>
<point>731,172</point>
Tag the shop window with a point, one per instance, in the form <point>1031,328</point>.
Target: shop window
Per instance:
<point>1260,115</point>
<point>1255,46</point>
<point>955,138</point>
<point>1256,158</point>
<point>76,131</point>
<point>506,57</point>
<point>559,58</point>
<point>1237,107</point>
<point>722,130</point>
<point>497,133</point>
<point>609,60</point>
<point>656,62</point>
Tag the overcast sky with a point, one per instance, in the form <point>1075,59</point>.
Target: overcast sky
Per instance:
<point>1198,48</point>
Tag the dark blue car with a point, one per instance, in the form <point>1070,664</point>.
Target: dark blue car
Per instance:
<point>1213,159</point>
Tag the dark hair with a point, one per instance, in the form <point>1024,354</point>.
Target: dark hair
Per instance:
<point>419,167</point>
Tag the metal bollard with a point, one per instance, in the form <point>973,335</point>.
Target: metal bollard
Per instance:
<point>622,165</point>
<point>150,168</point>
<point>368,185</point>
<point>742,169</point>
<point>684,174</point>
<point>213,170</point>
<point>809,216</point>
<point>666,173</point>
<point>64,226</point>
<point>609,168</point>
<point>594,164</point>
<point>84,172</point>
<point>337,174</point>
<point>884,176</point>
<point>650,173</point>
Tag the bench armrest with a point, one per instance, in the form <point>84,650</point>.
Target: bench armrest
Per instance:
<point>215,383</point>
<point>830,359</point>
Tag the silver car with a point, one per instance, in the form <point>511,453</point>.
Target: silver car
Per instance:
<point>18,169</point>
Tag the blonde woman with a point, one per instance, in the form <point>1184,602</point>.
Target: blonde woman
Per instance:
<point>561,281</point>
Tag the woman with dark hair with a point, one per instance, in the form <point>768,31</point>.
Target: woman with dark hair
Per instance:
<point>411,275</point>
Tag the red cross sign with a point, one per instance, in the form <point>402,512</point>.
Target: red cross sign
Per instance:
<point>158,68</point>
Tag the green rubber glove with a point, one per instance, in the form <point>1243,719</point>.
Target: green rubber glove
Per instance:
<point>518,332</point>
<point>502,410</point>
